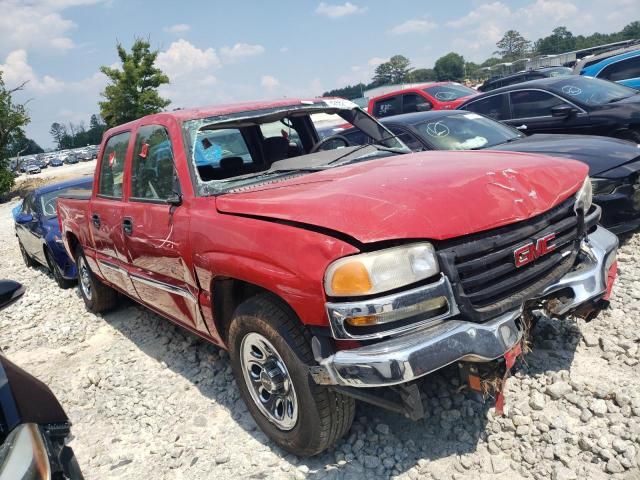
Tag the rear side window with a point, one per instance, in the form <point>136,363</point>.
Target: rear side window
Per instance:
<point>388,106</point>
<point>622,70</point>
<point>408,139</point>
<point>410,102</point>
<point>153,175</point>
<point>533,103</point>
<point>496,107</point>
<point>112,165</point>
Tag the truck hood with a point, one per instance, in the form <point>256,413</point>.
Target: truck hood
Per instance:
<point>428,195</point>
<point>600,153</point>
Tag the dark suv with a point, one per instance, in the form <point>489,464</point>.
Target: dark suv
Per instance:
<point>497,82</point>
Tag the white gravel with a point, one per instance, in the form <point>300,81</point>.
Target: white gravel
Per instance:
<point>148,400</point>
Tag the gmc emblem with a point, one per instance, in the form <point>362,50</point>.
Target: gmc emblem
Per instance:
<point>531,251</point>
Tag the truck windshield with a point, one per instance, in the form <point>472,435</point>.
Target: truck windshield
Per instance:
<point>254,146</point>
<point>448,93</point>
<point>465,131</point>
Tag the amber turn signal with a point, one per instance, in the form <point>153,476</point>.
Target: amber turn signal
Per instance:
<point>351,278</point>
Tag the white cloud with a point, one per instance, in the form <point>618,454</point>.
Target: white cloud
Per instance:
<point>413,26</point>
<point>337,11</point>
<point>177,29</point>
<point>269,82</point>
<point>37,24</point>
<point>240,50</point>
<point>16,70</point>
<point>183,58</point>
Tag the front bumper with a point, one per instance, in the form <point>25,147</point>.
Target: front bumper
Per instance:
<point>422,351</point>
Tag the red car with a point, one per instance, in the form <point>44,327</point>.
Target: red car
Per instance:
<point>327,269</point>
<point>420,98</point>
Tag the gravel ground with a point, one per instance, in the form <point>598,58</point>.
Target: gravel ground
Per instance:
<point>148,400</point>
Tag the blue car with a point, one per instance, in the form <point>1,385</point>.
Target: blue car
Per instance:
<point>38,231</point>
<point>623,68</point>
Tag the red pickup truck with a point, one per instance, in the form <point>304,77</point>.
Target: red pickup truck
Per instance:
<point>326,269</point>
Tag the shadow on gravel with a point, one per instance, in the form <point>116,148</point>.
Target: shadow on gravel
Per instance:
<point>380,443</point>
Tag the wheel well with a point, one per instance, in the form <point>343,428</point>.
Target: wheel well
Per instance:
<point>73,243</point>
<point>228,293</point>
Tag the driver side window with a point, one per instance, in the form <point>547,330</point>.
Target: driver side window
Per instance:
<point>153,175</point>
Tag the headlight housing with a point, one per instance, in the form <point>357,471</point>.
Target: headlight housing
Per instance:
<point>381,271</point>
<point>584,196</point>
<point>604,186</point>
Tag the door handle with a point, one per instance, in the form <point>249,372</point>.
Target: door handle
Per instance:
<point>95,218</point>
<point>127,226</point>
<point>522,127</point>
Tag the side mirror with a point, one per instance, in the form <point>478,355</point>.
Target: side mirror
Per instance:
<point>175,200</point>
<point>423,107</point>
<point>562,111</point>
<point>24,218</point>
<point>9,292</point>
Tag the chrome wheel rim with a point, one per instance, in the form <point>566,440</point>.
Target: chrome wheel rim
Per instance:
<point>268,381</point>
<point>85,278</point>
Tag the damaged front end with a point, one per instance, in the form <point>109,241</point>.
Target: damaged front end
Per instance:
<point>489,304</point>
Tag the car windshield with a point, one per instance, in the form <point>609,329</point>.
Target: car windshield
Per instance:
<point>253,147</point>
<point>447,93</point>
<point>48,201</point>
<point>590,91</point>
<point>466,131</point>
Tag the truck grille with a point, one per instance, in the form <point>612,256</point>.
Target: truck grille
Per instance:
<point>483,268</point>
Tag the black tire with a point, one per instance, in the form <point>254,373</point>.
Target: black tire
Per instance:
<point>98,297</point>
<point>55,271</point>
<point>28,261</point>
<point>324,416</point>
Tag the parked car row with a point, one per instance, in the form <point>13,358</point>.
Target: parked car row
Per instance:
<point>32,164</point>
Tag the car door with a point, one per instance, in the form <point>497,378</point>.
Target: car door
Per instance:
<point>531,113</point>
<point>27,231</point>
<point>626,72</point>
<point>106,213</point>
<point>155,231</point>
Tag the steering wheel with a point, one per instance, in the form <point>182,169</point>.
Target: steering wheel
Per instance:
<point>322,142</point>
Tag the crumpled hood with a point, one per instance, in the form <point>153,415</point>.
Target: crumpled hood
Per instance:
<point>600,153</point>
<point>428,195</point>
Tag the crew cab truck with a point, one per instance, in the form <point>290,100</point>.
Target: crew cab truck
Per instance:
<point>327,269</point>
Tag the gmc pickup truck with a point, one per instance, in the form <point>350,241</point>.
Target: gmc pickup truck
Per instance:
<point>334,272</point>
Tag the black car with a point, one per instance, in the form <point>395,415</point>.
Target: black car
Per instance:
<point>56,162</point>
<point>34,428</point>
<point>505,80</point>
<point>614,165</point>
<point>574,104</point>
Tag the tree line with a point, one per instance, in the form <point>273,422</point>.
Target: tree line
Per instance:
<point>453,67</point>
<point>78,135</point>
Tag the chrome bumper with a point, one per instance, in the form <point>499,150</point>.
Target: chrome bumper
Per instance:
<point>413,355</point>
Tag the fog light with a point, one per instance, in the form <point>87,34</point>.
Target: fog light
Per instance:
<point>429,305</point>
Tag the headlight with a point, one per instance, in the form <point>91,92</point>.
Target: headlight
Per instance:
<point>603,186</point>
<point>381,271</point>
<point>584,197</point>
<point>24,456</point>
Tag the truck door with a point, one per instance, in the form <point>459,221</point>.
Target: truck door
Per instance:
<point>156,229</point>
<point>105,213</point>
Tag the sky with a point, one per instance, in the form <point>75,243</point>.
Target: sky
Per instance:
<point>220,51</point>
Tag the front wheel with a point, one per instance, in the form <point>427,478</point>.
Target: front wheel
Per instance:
<point>269,353</point>
<point>97,296</point>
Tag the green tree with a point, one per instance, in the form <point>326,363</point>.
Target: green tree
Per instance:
<point>133,91</point>
<point>396,70</point>
<point>561,40</point>
<point>13,118</point>
<point>512,46</point>
<point>449,67</point>
<point>58,131</point>
<point>421,75</point>
<point>631,31</point>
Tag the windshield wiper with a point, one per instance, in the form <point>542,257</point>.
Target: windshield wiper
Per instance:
<point>374,145</point>
<point>617,99</point>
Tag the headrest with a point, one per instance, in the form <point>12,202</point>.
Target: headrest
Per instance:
<point>231,163</point>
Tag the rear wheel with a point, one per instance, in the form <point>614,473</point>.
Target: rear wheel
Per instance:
<point>97,296</point>
<point>57,274</point>
<point>270,351</point>
<point>28,261</point>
